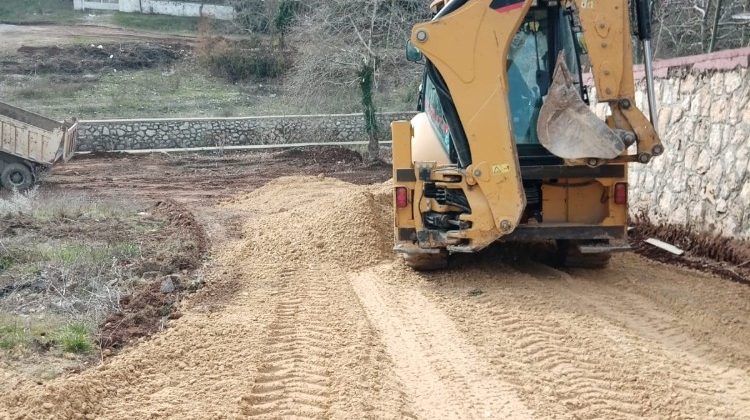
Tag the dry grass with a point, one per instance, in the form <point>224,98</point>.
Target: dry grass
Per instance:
<point>67,254</point>
<point>80,261</point>
<point>17,203</point>
<point>51,261</point>
<point>69,263</point>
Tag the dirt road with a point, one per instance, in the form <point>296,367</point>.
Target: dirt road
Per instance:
<point>307,314</point>
<point>39,35</point>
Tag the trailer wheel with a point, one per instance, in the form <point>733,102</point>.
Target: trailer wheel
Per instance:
<point>17,176</point>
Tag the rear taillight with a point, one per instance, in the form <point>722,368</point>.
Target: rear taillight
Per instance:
<point>402,197</point>
<point>621,193</point>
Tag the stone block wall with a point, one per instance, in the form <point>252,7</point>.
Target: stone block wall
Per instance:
<point>703,179</point>
<point>111,135</point>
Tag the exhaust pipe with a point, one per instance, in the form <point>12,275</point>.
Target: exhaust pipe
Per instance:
<point>643,16</point>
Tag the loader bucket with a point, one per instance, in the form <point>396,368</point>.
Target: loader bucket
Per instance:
<point>568,128</point>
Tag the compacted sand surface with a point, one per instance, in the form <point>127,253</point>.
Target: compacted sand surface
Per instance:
<point>307,314</point>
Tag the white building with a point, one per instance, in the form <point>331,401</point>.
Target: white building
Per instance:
<point>159,7</point>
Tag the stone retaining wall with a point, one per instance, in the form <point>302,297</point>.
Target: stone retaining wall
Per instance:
<point>702,181</point>
<point>111,135</point>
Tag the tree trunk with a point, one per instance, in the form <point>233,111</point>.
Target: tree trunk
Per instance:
<point>366,76</point>
<point>715,27</point>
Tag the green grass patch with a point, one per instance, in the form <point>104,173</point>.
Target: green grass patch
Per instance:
<point>75,253</point>
<point>80,260</point>
<point>18,332</point>
<point>158,23</point>
<point>75,338</point>
<point>31,11</point>
<point>25,334</point>
<point>184,91</point>
<point>47,88</point>
<point>6,261</point>
<point>13,334</point>
<point>170,24</point>
<point>13,257</point>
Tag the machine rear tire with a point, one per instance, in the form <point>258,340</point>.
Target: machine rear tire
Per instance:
<point>427,262</point>
<point>17,176</point>
<point>570,256</point>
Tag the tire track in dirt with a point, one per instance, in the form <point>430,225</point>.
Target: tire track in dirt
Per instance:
<point>653,323</point>
<point>537,326</point>
<point>576,377</point>
<point>688,323</point>
<point>322,357</point>
<point>290,381</point>
<point>444,374</point>
<point>538,355</point>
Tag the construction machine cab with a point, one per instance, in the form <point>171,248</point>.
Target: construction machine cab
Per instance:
<point>546,31</point>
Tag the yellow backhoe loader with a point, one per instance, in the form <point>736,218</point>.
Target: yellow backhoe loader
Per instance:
<point>504,147</point>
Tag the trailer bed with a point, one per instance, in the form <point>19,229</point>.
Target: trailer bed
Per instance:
<point>34,138</point>
<point>30,144</point>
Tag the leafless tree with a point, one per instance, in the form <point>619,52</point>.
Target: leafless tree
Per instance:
<point>354,44</point>
<point>254,16</point>
<point>686,27</point>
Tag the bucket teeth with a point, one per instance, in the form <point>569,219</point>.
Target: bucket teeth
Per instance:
<point>568,128</point>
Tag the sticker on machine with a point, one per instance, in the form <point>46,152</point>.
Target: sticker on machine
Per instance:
<point>500,169</point>
<point>502,6</point>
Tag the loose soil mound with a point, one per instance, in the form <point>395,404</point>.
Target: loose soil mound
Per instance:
<point>180,217</point>
<point>343,223</point>
<point>80,59</point>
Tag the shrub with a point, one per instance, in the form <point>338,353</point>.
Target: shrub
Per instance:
<point>285,15</point>
<point>242,60</point>
<point>254,57</point>
<point>75,338</point>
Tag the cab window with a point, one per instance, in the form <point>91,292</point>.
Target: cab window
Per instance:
<point>436,115</point>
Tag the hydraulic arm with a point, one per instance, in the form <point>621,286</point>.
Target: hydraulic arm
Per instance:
<point>468,44</point>
<point>606,30</point>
